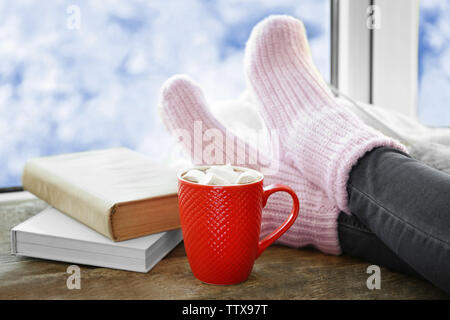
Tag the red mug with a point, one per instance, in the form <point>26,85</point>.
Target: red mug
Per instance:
<point>221,226</point>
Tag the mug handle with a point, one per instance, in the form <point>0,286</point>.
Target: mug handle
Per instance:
<point>267,241</point>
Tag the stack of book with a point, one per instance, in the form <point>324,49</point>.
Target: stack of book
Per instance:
<point>111,208</point>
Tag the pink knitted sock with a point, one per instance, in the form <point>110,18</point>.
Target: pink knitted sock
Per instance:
<point>182,103</point>
<point>325,140</point>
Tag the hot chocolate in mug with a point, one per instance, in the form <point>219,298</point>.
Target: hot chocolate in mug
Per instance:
<point>221,226</point>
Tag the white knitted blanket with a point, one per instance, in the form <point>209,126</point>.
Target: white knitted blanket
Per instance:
<point>429,145</point>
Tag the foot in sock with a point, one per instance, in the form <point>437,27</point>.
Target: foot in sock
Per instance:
<point>324,140</point>
<point>182,103</point>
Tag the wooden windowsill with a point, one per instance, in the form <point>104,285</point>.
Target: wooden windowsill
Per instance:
<point>280,273</point>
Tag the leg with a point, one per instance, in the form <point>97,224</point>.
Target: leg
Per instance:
<point>358,241</point>
<point>407,205</point>
<point>404,202</point>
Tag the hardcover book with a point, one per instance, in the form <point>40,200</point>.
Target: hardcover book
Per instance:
<point>55,236</point>
<point>117,192</point>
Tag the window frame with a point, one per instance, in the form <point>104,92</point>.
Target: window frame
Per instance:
<point>16,196</point>
<point>11,189</point>
<point>376,65</point>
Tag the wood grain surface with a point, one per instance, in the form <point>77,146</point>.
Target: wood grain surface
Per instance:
<point>280,273</point>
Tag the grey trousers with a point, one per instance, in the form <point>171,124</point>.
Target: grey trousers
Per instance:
<point>400,216</point>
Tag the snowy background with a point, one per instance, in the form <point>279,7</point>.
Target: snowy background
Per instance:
<point>66,90</point>
<point>434,62</point>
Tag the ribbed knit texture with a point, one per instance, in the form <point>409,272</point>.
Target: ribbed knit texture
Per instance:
<point>324,140</point>
<point>182,103</point>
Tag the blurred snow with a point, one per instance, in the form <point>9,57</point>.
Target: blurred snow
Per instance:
<point>66,90</point>
<point>434,62</point>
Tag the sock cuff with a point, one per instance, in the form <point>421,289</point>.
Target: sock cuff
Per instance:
<point>329,144</point>
<point>349,159</point>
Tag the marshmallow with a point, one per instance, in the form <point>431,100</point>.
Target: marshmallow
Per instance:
<point>213,179</point>
<point>194,175</point>
<point>221,175</point>
<point>247,177</point>
<point>225,172</point>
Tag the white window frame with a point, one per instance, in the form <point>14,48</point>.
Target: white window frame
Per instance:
<point>15,196</point>
<point>374,50</point>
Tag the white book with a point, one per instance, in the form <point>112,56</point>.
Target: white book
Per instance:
<point>55,236</point>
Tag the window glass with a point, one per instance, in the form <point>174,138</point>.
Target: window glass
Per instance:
<point>434,62</point>
<point>83,75</point>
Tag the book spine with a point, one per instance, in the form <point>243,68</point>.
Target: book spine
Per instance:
<point>13,242</point>
<point>65,196</point>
